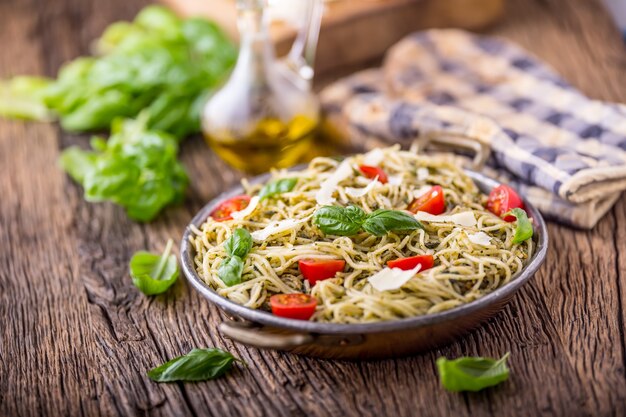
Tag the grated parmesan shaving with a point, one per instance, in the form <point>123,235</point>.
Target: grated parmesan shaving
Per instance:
<point>392,278</point>
<point>465,218</point>
<point>242,214</point>
<point>325,194</point>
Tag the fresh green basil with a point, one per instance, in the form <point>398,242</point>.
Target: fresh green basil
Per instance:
<point>154,274</point>
<point>159,64</point>
<point>472,374</point>
<point>348,221</point>
<point>136,168</point>
<point>277,187</point>
<point>230,270</point>
<point>340,221</point>
<point>239,243</point>
<point>383,221</point>
<point>524,227</point>
<point>197,365</point>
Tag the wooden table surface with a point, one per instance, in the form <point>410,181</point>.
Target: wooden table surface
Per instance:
<point>76,338</point>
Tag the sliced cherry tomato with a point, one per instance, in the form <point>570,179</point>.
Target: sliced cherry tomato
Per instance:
<point>406,264</point>
<point>320,269</point>
<point>373,172</point>
<point>225,209</point>
<point>293,306</point>
<point>503,199</point>
<point>432,202</point>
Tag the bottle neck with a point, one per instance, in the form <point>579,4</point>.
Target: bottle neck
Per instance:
<point>256,49</point>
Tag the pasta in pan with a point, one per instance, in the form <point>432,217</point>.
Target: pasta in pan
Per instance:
<point>355,212</point>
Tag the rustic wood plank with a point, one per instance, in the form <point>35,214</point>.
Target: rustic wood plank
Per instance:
<point>78,338</point>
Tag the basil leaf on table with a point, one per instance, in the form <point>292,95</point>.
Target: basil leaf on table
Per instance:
<point>136,169</point>
<point>197,365</point>
<point>472,374</point>
<point>277,187</point>
<point>154,274</point>
<point>239,243</point>
<point>340,221</point>
<point>230,270</point>
<point>383,221</point>
<point>524,227</point>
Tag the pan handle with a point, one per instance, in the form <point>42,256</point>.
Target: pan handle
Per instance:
<point>261,338</point>
<point>481,150</point>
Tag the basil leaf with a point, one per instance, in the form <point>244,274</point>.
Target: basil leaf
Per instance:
<point>197,365</point>
<point>472,374</point>
<point>277,187</point>
<point>340,221</point>
<point>136,168</point>
<point>154,274</point>
<point>230,271</point>
<point>524,227</point>
<point>239,243</point>
<point>383,221</point>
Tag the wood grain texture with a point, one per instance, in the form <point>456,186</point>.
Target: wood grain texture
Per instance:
<point>77,339</point>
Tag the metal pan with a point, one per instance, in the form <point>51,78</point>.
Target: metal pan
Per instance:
<point>262,329</point>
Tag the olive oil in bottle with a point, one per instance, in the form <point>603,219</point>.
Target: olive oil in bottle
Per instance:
<point>265,116</point>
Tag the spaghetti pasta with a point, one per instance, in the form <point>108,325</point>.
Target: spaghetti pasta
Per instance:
<point>471,258</point>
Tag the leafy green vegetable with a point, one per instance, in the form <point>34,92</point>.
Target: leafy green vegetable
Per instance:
<point>159,63</point>
<point>340,221</point>
<point>350,220</point>
<point>382,221</point>
<point>154,274</point>
<point>239,243</point>
<point>136,169</point>
<point>230,270</point>
<point>197,365</point>
<point>20,98</point>
<point>524,228</point>
<point>472,374</point>
<point>277,187</point>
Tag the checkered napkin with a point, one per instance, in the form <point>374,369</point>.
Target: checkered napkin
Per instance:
<point>565,152</point>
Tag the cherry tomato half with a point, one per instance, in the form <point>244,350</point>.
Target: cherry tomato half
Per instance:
<point>432,202</point>
<point>373,172</point>
<point>293,306</point>
<point>503,199</point>
<point>406,264</point>
<point>320,269</point>
<point>226,208</point>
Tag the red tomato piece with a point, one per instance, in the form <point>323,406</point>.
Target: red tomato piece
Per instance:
<point>432,202</point>
<point>406,264</point>
<point>503,199</point>
<point>320,269</point>
<point>226,208</point>
<point>373,172</point>
<point>293,306</point>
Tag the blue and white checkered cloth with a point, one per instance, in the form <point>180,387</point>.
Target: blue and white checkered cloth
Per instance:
<point>564,151</point>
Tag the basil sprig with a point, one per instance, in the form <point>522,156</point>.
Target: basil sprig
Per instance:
<point>154,274</point>
<point>524,227</point>
<point>237,247</point>
<point>277,187</point>
<point>348,221</point>
<point>197,365</point>
<point>472,374</point>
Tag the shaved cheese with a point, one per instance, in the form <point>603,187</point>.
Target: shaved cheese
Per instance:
<point>465,218</point>
<point>392,278</point>
<point>373,157</point>
<point>242,214</point>
<point>360,192</point>
<point>422,191</point>
<point>274,228</point>
<point>325,194</point>
<point>480,238</point>
<point>395,180</point>
<point>422,173</point>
